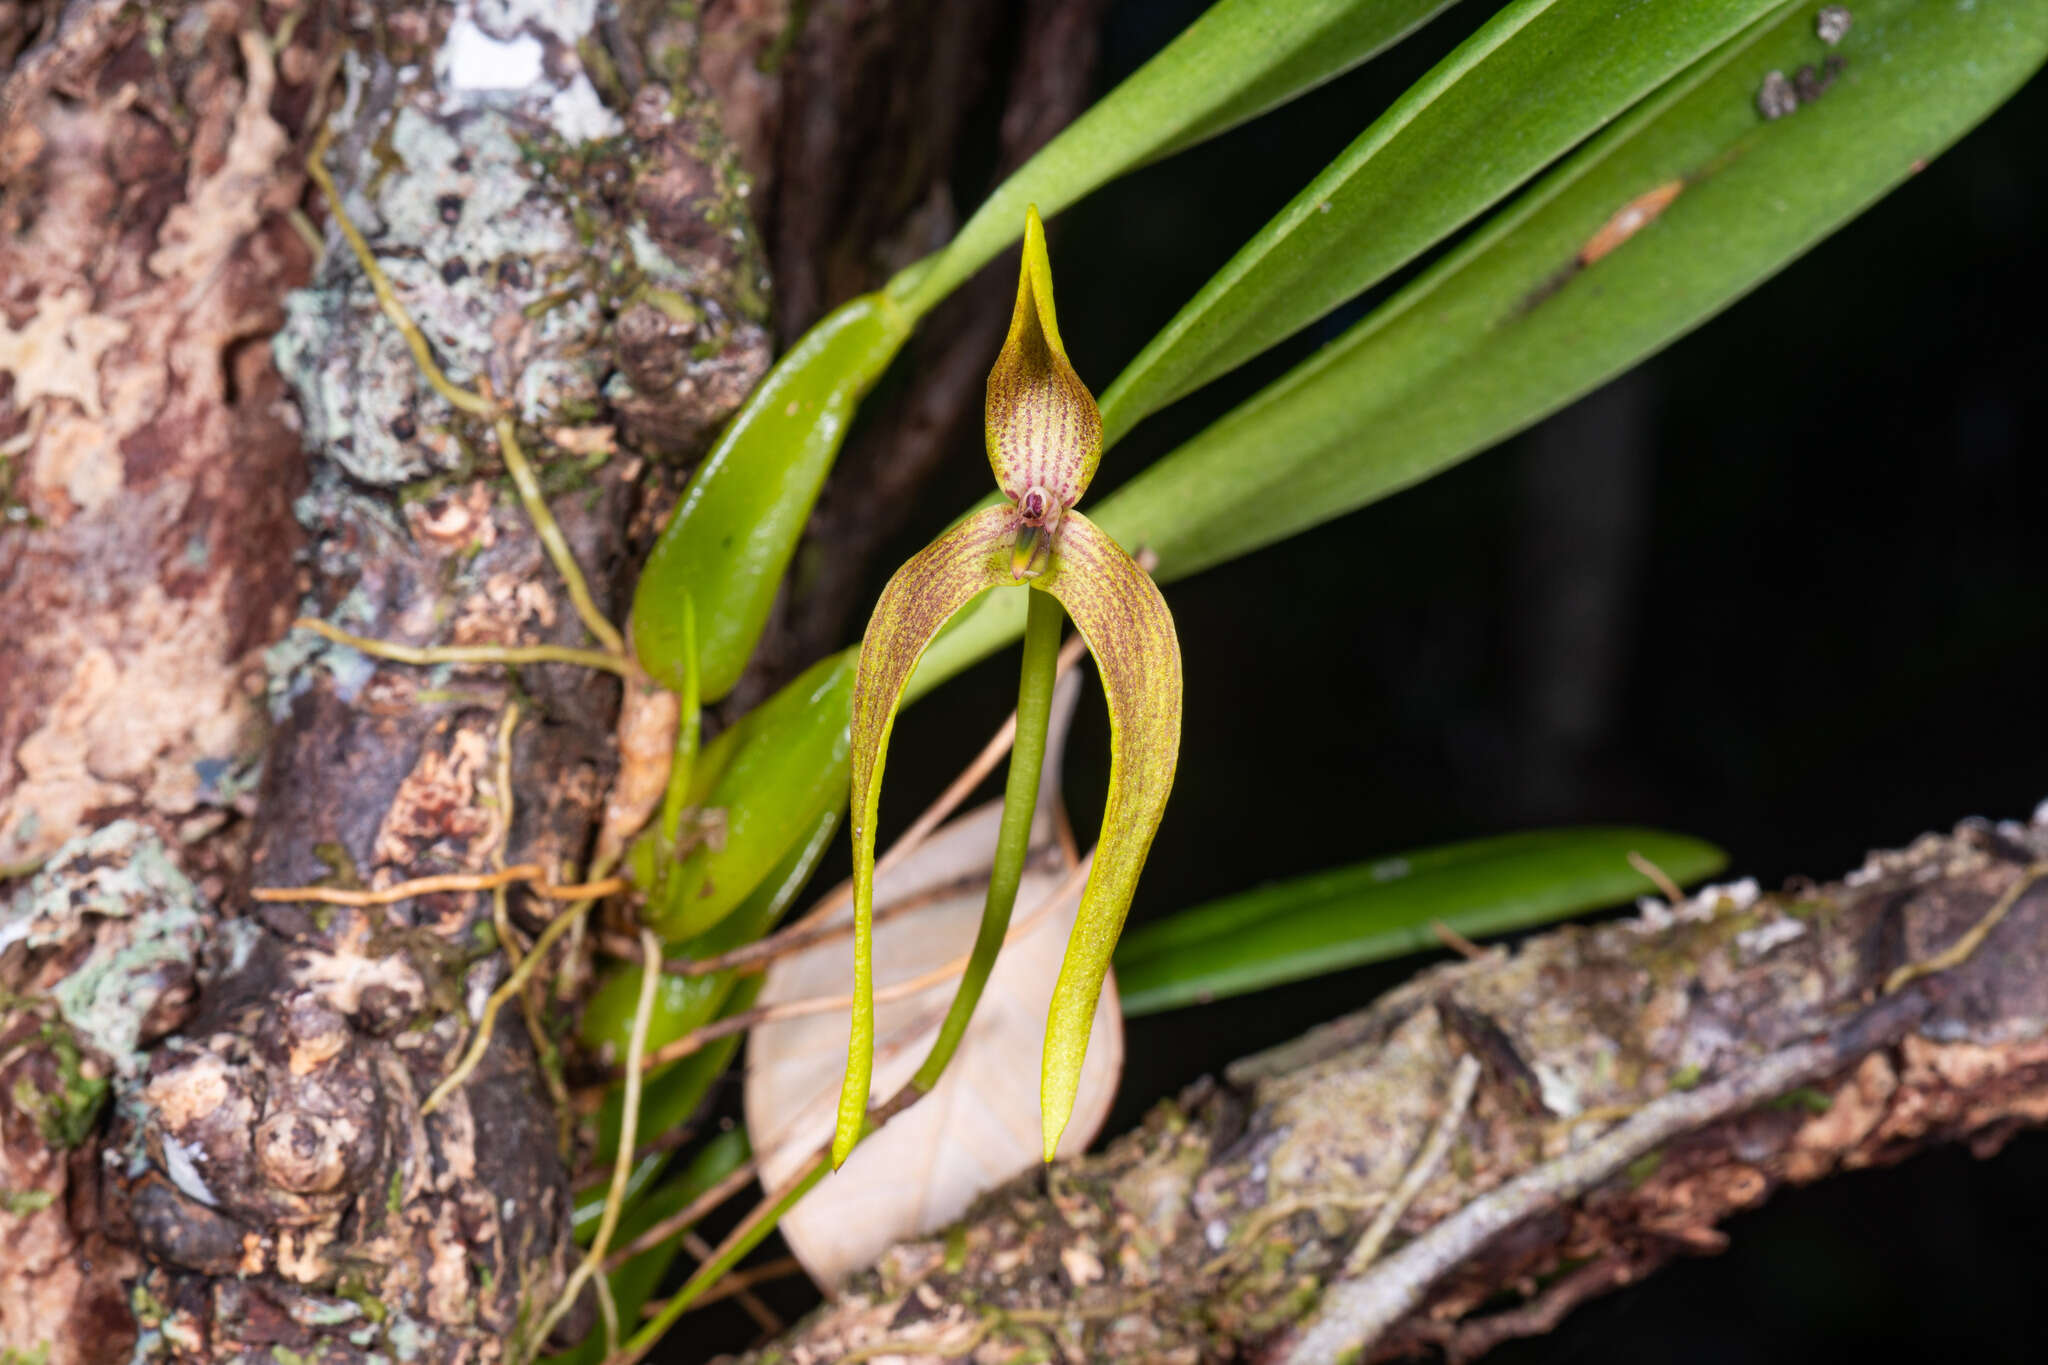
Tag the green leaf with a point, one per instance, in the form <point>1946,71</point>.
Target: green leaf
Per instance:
<point>1552,298</point>
<point>732,536</point>
<point>633,1283</point>
<point>1557,294</point>
<point>683,1004</point>
<point>1137,655</point>
<point>1535,80</point>
<point>1386,908</point>
<point>921,596</point>
<point>786,769</point>
<point>1239,59</point>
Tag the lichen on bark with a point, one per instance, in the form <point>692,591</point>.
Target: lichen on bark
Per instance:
<point>268,1160</point>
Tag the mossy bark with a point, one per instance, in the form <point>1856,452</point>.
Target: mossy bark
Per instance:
<point>211,1143</point>
<point>1640,1081</point>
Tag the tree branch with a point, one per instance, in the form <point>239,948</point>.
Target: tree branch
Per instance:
<point>1643,1079</point>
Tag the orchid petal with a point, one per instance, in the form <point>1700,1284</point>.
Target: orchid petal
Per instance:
<point>1044,430</point>
<point>1130,632</point>
<point>921,597</point>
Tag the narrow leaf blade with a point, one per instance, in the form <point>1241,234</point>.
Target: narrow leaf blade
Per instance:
<point>1130,632</point>
<point>1516,322</point>
<point>1545,303</point>
<point>932,584</point>
<point>733,534</point>
<point>1533,82</point>
<point>782,775</point>
<point>1240,58</point>
<point>1387,908</point>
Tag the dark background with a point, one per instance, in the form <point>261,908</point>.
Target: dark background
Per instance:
<point>1781,587</point>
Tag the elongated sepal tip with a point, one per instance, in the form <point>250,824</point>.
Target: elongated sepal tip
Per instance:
<point>842,1146</point>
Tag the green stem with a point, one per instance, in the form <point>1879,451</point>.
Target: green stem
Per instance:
<point>1013,842</point>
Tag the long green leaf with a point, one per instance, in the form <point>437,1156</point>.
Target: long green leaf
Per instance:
<point>1535,80</point>
<point>785,772</point>
<point>1387,907</point>
<point>1241,58</point>
<point>1572,284</point>
<point>731,538</point>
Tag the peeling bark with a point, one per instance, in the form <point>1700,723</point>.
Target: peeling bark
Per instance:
<point>149,464</point>
<point>1641,1081</point>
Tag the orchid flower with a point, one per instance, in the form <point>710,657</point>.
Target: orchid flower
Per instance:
<point>1044,437</point>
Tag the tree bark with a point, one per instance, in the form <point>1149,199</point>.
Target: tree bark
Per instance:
<point>1637,1082</point>
<point>211,1137</point>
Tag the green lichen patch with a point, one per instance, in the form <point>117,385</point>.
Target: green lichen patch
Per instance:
<point>120,873</point>
<point>66,1106</point>
<point>23,1202</point>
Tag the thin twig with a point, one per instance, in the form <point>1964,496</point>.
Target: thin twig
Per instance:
<point>592,1178</point>
<point>1464,1081</point>
<point>1658,877</point>
<point>426,656</point>
<point>780,1268</point>
<point>1456,942</point>
<point>1960,951</point>
<point>733,1285</point>
<point>761,953</point>
<point>687,1216</point>
<point>622,1165</point>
